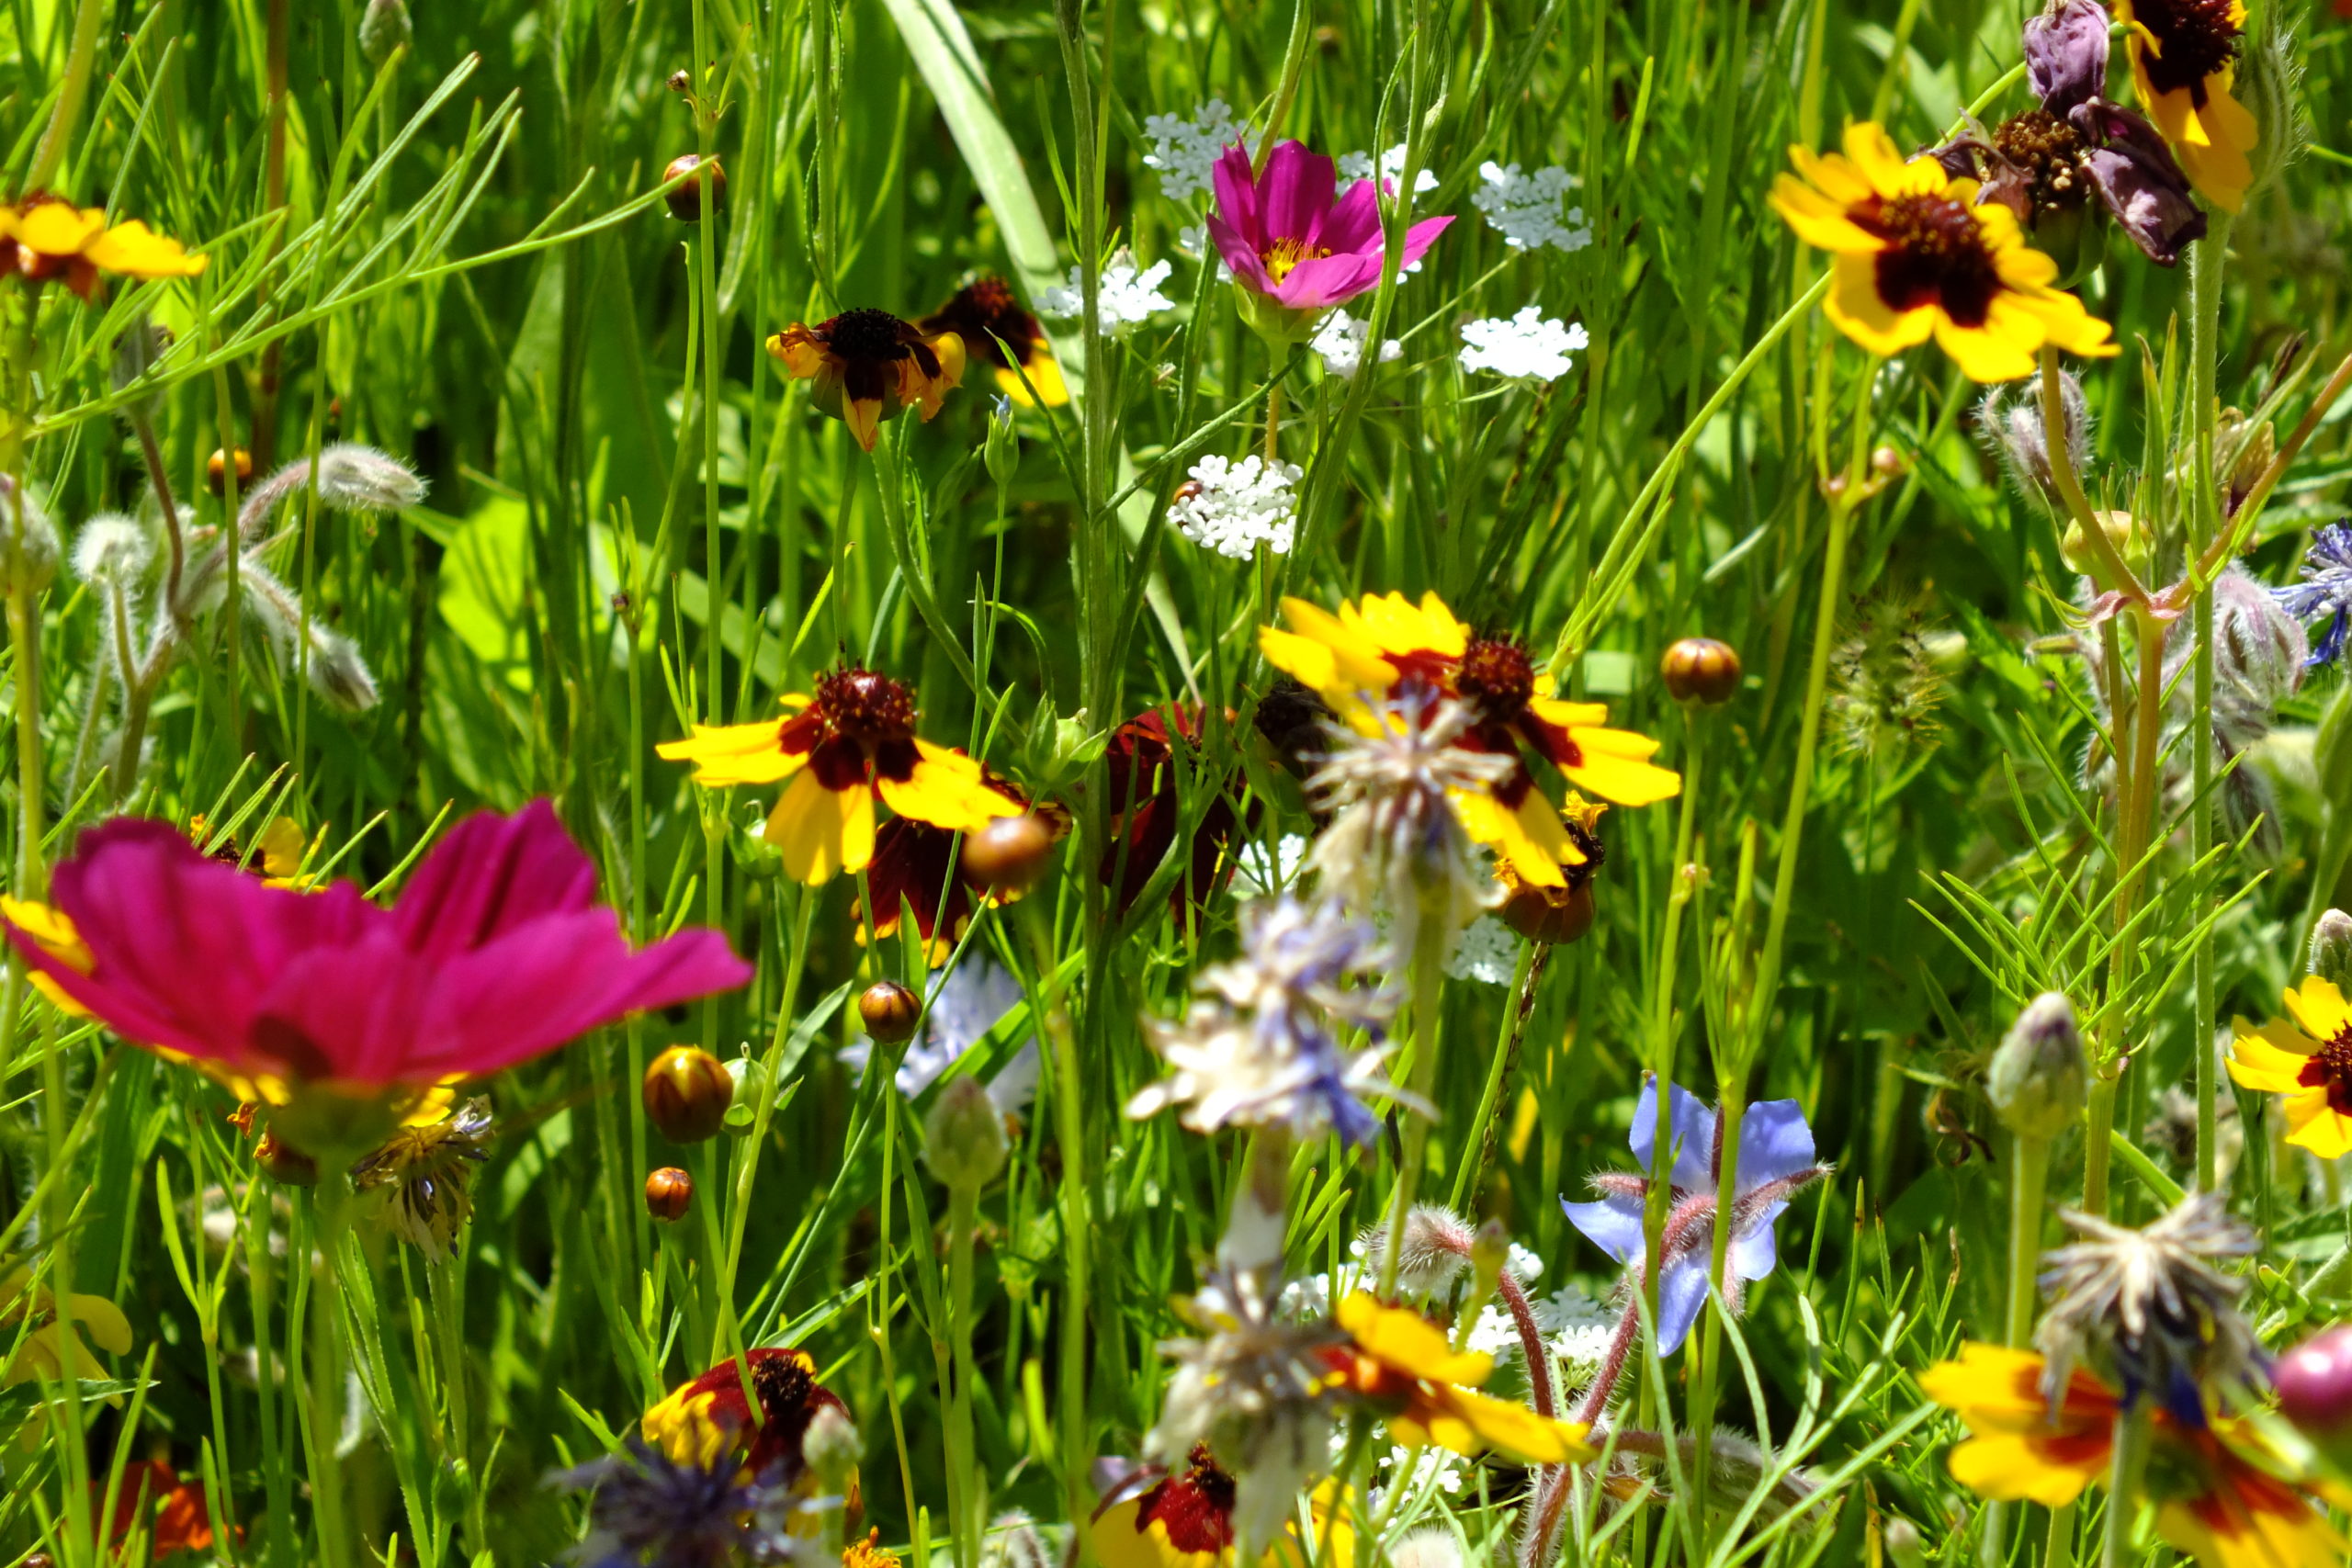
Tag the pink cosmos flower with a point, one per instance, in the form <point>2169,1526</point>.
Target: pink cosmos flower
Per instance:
<point>495,952</point>
<point>1292,241</point>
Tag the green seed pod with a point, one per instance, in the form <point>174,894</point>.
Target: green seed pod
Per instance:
<point>963,1139</point>
<point>2040,1076</point>
<point>384,27</point>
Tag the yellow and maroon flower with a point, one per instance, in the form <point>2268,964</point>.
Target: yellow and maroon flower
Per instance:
<point>995,330</point>
<point>1147,803</point>
<point>2309,1061</point>
<point>1371,648</point>
<point>2183,62</point>
<point>47,237</point>
<point>849,745</point>
<point>868,366</point>
<point>1156,1518</point>
<point>701,1418</point>
<point>1400,1363</point>
<point>1916,255</point>
<point>2216,1488</point>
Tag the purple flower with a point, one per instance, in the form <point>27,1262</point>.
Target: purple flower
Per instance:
<point>1776,1159</point>
<point>495,952</point>
<point>647,1511</point>
<point>2326,591</point>
<point>1296,244</point>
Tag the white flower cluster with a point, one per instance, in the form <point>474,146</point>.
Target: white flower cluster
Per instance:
<point>1125,298</point>
<point>1258,873</point>
<point>1355,166</point>
<point>1341,340</point>
<point>1526,208</point>
<point>1529,347</point>
<point>1238,506</point>
<point>1487,952</point>
<point>1185,150</point>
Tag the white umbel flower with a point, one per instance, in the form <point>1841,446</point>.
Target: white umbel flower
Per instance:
<point>1185,150</point>
<point>1341,340</point>
<point>1529,347</point>
<point>1232,508</point>
<point>1488,953</point>
<point>1126,297</point>
<point>1525,208</point>
<point>1355,166</point>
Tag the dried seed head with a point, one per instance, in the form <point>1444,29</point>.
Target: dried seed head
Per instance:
<point>669,1193</point>
<point>687,1093</point>
<point>2040,1076</point>
<point>1432,1548</point>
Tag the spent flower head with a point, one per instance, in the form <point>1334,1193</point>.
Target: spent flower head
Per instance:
<point>429,1166</point>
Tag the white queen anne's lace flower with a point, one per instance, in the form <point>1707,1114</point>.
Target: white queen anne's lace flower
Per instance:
<point>1126,298</point>
<point>1355,166</point>
<point>1341,340</point>
<point>1529,347</point>
<point>1232,508</point>
<point>1185,150</point>
<point>1488,951</point>
<point>1525,208</point>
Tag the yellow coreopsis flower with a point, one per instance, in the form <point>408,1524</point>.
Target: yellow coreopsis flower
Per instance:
<point>42,1352</point>
<point>2183,62</point>
<point>49,238</point>
<point>1372,647</point>
<point>1400,1362</point>
<point>1916,255</point>
<point>2309,1061</point>
<point>865,366</point>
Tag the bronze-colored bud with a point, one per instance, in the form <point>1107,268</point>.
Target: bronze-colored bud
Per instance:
<point>288,1165</point>
<point>1552,915</point>
<point>890,1011</point>
<point>1701,669</point>
<point>687,1092</point>
<point>216,471</point>
<point>1011,853</point>
<point>680,82</point>
<point>685,202</point>
<point>669,1192</point>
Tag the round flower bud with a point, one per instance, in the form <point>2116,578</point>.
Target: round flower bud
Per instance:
<point>686,201</point>
<point>216,471</point>
<point>2039,1077</point>
<point>1009,854</point>
<point>2314,1383</point>
<point>1904,1547</point>
<point>2332,949</point>
<point>2123,531</point>
<point>384,27</point>
<point>1701,669</point>
<point>890,1011</point>
<point>1001,449</point>
<point>963,1139</point>
<point>680,82</point>
<point>1432,1548</point>
<point>832,1448</point>
<point>1552,914</point>
<point>669,1193</point>
<point>290,1166</point>
<point>687,1093</point>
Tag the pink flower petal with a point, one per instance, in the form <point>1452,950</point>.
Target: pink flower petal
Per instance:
<point>1237,195</point>
<point>1238,256</point>
<point>1294,195</point>
<point>1354,225</point>
<point>489,874</point>
<point>1328,280</point>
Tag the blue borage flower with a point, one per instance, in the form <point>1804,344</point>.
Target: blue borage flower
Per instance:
<point>1775,1161</point>
<point>2325,591</point>
<point>648,1508</point>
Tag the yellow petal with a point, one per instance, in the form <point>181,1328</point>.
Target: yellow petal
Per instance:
<point>105,1322</point>
<point>2319,1008</point>
<point>1853,305</point>
<point>1624,780</point>
<point>819,833</point>
<point>1511,1427</point>
<point>136,251</point>
<point>946,790</point>
<point>2008,1468</point>
<point>58,229</point>
<point>734,754</point>
<point>2327,1133</point>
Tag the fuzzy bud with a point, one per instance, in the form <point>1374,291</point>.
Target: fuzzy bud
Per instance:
<point>1432,1548</point>
<point>2331,956</point>
<point>2259,650</point>
<point>832,1448</point>
<point>384,27</point>
<point>338,672</point>
<point>1001,449</point>
<point>216,471</point>
<point>685,200</point>
<point>890,1011</point>
<point>1008,854</point>
<point>1438,1247</point>
<point>2123,531</point>
<point>1700,671</point>
<point>963,1139</point>
<point>1904,1547</point>
<point>111,548</point>
<point>2314,1381</point>
<point>2040,1079</point>
<point>669,1193</point>
<point>27,553</point>
<point>2009,423</point>
<point>2269,81</point>
<point>687,1093</point>
<point>353,477</point>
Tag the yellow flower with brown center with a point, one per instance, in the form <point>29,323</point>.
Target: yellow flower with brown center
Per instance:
<point>36,1340</point>
<point>1400,1363</point>
<point>1917,256</point>
<point>48,238</point>
<point>1372,647</point>
<point>2183,61</point>
<point>2309,1061</point>
<point>994,329</point>
<point>1160,1518</point>
<point>849,745</point>
<point>868,366</point>
<point>2215,1488</point>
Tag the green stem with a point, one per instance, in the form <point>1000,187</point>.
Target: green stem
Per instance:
<point>1730,1114</point>
<point>78,61</point>
<point>2205,263</point>
<point>1428,979</point>
<point>2129,1459</point>
<point>330,1211</point>
<point>964,1474</point>
<point>2031,1167</point>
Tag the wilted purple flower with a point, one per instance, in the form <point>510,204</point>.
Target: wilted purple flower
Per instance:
<point>649,1510</point>
<point>2045,164</point>
<point>2326,591</point>
<point>1776,1160</point>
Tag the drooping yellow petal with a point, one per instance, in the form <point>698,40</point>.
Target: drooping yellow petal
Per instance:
<point>947,790</point>
<point>2256,1062</point>
<point>1490,822</point>
<point>1854,305</point>
<point>2008,1467</point>
<point>105,1322</point>
<point>136,251</point>
<point>1467,1422</point>
<point>60,229</point>
<point>1623,779</point>
<point>819,833</point>
<point>2323,1131</point>
<point>1403,1338</point>
<point>727,754</point>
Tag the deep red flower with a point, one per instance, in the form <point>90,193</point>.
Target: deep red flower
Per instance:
<point>1147,803</point>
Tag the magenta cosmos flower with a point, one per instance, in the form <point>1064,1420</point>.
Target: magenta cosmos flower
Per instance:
<point>339,1012</point>
<point>1294,244</point>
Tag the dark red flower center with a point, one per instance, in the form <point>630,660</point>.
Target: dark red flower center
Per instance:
<point>982,312</point>
<point>2331,1068</point>
<point>1496,677</point>
<point>1935,254</point>
<point>2194,38</point>
<point>1194,1508</point>
<point>2050,152</point>
<point>865,334</point>
<point>865,706</point>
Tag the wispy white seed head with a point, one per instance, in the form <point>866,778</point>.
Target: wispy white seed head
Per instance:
<point>112,548</point>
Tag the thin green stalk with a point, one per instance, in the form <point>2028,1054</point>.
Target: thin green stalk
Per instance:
<point>79,59</point>
<point>964,1476</point>
<point>1428,980</point>
<point>2030,1167</point>
<point>2206,262</point>
<point>1730,1114</point>
<point>330,1538</point>
<point>2129,1460</point>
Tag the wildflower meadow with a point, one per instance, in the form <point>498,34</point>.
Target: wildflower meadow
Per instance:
<point>1176,783</point>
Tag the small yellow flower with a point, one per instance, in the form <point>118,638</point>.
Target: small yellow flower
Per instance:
<point>51,238</point>
<point>41,1353</point>
<point>1400,1362</point>
<point>2183,62</point>
<point>1916,255</point>
<point>2309,1061</point>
